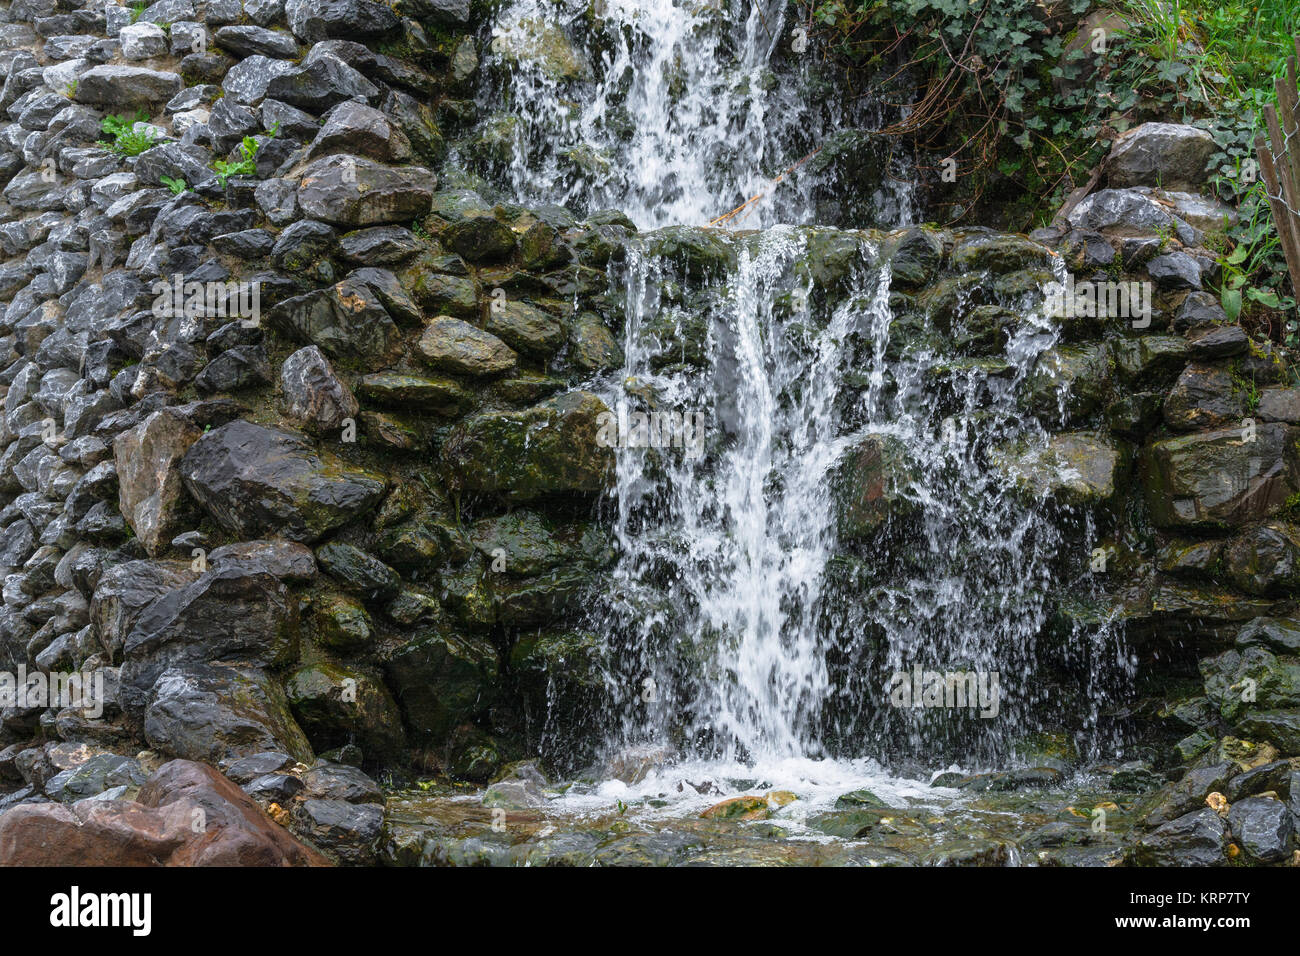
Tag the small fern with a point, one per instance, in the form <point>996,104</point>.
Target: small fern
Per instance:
<point>124,139</point>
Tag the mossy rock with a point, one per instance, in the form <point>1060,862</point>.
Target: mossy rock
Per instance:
<point>336,705</point>
<point>341,622</point>
<point>549,448</point>
<point>442,679</point>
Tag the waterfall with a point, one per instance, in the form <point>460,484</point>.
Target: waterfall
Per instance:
<point>672,111</point>
<point>742,624</point>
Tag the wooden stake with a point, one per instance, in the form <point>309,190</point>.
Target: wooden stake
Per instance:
<point>1281,215</point>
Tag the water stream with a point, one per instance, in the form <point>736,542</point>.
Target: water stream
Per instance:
<point>745,637</point>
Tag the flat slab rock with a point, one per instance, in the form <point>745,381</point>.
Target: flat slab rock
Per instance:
<point>155,829</point>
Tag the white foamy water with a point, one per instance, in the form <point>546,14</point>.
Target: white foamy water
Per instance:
<point>672,111</point>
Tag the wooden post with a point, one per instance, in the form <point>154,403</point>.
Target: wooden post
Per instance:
<point>1280,165</point>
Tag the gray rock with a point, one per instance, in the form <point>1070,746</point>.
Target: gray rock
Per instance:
<point>1263,827</point>
<point>244,366</point>
<point>148,458</point>
<point>247,81</point>
<point>1217,342</point>
<point>1197,839</point>
<point>463,349</point>
<point>143,40</point>
<point>348,321</point>
<point>315,20</point>
<point>357,570</point>
<point>123,591</point>
<point>278,198</point>
<point>240,614</point>
<point>380,246</point>
<point>1168,155</point>
<point>1280,405</point>
<point>286,560</point>
<point>313,393</point>
<point>278,788</point>
<point>353,127</point>
<point>332,781</point>
<point>303,244</point>
<point>243,41</point>
<point>320,84</point>
<point>350,831</point>
<point>353,191</point>
<point>1203,397</point>
<point>1177,270</point>
<point>246,769</point>
<point>1265,560</point>
<point>1129,212</point>
<point>216,712</point>
<point>1280,635</point>
<point>126,87</point>
<point>255,480</point>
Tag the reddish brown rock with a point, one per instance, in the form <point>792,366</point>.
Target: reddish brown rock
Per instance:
<point>186,814</point>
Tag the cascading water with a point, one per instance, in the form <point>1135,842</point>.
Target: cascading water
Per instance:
<point>725,553</point>
<point>743,624</point>
<point>745,627</point>
<point>672,111</point>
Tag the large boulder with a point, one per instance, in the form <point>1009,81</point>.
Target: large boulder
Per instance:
<point>256,481</point>
<point>237,614</point>
<point>1168,155</point>
<point>218,712</point>
<point>549,448</point>
<point>186,814</point>
<point>1221,478</point>
<point>353,191</point>
<point>149,480</point>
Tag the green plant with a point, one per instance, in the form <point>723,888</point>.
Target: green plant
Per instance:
<point>137,11</point>
<point>175,184</point>
<point>1028,110</point>
<point>70,90</point>
<point>124,139</point>
<point>246,165</point>
<point>1249,390</point>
